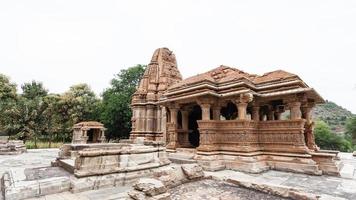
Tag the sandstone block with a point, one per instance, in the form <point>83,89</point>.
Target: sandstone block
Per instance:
<point>193,171</point>
<point>150,187</point>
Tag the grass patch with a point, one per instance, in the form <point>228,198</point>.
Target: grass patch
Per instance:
<point>42,145</point>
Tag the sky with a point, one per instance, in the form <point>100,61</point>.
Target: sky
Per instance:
<point>65,42</point>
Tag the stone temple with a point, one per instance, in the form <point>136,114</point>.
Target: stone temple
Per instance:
<point>231,119</point>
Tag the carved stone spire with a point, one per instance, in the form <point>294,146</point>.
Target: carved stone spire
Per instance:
<point>160,73</point>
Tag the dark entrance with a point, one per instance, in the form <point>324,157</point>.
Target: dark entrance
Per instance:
<point>90,135</point>
<point>194,134</point>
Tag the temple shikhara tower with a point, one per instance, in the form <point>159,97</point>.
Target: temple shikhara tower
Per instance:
<point>149,118</point>
<point>231,119</point>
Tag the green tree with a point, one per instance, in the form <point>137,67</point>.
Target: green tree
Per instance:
<point>351,129</point>
<point>8,97</point>
<point>79,103</point>
<point>25,118</point>
<point>33,90</point>
<point>52,118</point>
<point>115,109</point>
<point>326,139</point>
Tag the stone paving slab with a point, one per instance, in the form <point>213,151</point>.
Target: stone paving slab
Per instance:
<point>320,185</point>
<point>34,158</point>
<point>217,190</point>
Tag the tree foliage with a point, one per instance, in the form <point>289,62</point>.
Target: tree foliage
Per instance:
<point>36,115</point>
<point>325,139</point>
<point>351,129</point>
<point>115,109</point>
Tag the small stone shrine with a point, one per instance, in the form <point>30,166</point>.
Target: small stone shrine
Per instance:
<point>88,132</point>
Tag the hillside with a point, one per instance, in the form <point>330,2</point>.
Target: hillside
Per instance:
<point>333,114</point>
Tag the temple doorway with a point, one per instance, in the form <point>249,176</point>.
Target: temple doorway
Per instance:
<point>90,135</point>
<point>194,135</point>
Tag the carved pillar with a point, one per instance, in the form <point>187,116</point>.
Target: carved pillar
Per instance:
<point>307,110</point>
<point>295,112</point>
<point>242,103</point>
<point>205,108</point>
<point>184,133</point>
<point>164,123</point>
<point>185,119</point>
<point>216,112</point>
<point>158,119</point>
<point>85,136</point>
<point>150,122</point>
<point>242,107</point>
<point>277,115</point>
<point>172,128</point>
<point>256,113</point>
<point>270,115</point>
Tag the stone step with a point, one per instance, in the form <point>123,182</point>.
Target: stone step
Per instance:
<point>67,164</point>
<point>181,160</point>
<point>187,150</point>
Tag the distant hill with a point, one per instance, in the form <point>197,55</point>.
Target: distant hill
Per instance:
<point>333,114</point>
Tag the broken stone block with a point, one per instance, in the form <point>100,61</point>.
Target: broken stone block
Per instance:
<point>171,176</point>
<point>193,171</point>
<point>150,186</point>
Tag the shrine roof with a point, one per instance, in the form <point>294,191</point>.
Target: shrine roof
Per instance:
<point>224,74</point>
<point>88,124</point>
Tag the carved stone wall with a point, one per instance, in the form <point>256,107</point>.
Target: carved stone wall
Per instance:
<point>250,136</point>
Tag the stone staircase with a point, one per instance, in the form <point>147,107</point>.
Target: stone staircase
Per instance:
<point>182,156</point>
<point>67,164</point>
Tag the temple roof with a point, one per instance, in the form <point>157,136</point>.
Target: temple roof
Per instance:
<point>224,74</point>
<point>88,124</point>
<point>225,81</point>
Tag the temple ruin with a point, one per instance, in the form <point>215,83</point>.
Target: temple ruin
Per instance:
<point>88,132</point>
<point>231,119</point>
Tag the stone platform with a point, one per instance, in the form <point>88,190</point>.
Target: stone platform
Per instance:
<point>33,170</point>
<point>314,163</point>
<point>12,147</point>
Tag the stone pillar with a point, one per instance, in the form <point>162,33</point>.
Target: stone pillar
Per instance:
<point>174,115</point>
<point>256,113</point>
<point>242,107</point>
<point>307,111</point>
<point>150,122</point>
<point>102,136</point>
<point>277,115</point>
<point>158,119</point>
<point>85,136</point>
<point>295,112</point>
<point>164,123</point>
<point>141,119</point>
<point>270,115</point>
<point>172,128</point>
<point>185,119</point>
<point>242,103</point>
<point>205,108</point>
<point>216,112</point>
<point>184,133</point>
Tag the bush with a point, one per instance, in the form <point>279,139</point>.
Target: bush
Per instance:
<point>326,139</point>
